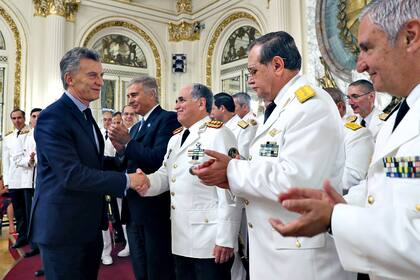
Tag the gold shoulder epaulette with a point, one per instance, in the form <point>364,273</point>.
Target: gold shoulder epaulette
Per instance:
<point>252,122</point>
<point>351,118</point>
<point>304,93</point>
<point>8,133</point>
<point>383,116</point>
<point>353,126</point>
<point>178,130</point>
<point>243,124</point>
<point>214,124</point>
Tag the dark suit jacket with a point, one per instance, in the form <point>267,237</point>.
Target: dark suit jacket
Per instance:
<point>146,151</point>
<point>68,203</point>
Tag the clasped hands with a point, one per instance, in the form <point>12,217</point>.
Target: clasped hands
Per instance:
<point>139,182</point>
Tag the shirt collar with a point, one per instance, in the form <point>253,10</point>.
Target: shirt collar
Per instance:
<point>413,96</point>
<point>150,111</point>
<point>77,102</point>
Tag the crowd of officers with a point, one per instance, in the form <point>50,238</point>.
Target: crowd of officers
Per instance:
<point>208,177</point>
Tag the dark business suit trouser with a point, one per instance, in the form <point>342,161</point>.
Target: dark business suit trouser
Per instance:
<point>150,251</point>
<point>72,261</point>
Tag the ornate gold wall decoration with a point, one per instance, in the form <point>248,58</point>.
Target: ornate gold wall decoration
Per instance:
<point>327,81</point>
<point>64,8</point>
<point>184,31</point>
<point>184,6</point>
<point>10,22</point>
<point>216,35</point>
<point>138,31</point>
<point>348,22</point>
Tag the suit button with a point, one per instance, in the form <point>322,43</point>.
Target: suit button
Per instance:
<point>173,180</point>
<point>172,193</point>
<point>371,199</point>
<point>418,207</point>
<point>206,221</point>
<point>246,202</point>
<point>250,225</point>
<point>173,207</point>
<point>175,166</point>
<point>298,244</point>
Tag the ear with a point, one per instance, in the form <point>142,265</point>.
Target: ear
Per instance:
<point>68,78</point>
<point>278,64</point>
<point>412,35</point>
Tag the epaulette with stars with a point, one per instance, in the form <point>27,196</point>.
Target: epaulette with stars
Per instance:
<point>351,118</point>
<point>304,93</point>
<point>8,133</point>
<point>178,130</point>
<point>243,124</point>
<point>214,124</point>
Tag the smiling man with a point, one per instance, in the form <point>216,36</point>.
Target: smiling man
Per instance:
<point>377,227</point>
<point>361,98</point>
<point>299,143</point>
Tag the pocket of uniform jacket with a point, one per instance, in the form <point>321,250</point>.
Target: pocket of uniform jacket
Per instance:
<point>204,228</point>
<point>297,243</point>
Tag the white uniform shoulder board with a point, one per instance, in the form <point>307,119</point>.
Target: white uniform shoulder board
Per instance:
<point>8,133</point>
<point>304,93</point>
<point>353,126</point>
<point>243,124</point>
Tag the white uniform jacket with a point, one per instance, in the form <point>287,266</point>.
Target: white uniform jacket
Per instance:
<point>382,237</point>
<point>300,145</point>
<point>374,122</point>
<point>28,178</point>
<point>109,149</point>
<point>244,133</point>
<point>13,151</point>
<point>202,216</point>
<point>358,144</point>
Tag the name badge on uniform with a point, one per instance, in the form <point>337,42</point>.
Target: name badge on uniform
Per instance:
<point>402,167</point>
<point>269,149</point>
<point>196,153</point>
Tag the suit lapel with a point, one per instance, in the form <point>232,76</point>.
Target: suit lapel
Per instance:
<point>146,125</point>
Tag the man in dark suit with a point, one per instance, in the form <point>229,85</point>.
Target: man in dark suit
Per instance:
<point>148,223</point>
<point>68,206</point>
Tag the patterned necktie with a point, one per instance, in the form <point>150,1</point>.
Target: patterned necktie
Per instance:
<point>363,123</point>
<point>401,113</point>
<point>184,136</point>
<point>270,108</point>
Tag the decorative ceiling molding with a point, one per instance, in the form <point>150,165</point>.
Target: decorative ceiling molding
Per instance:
<point>184,7</point>
<point>184,31</point>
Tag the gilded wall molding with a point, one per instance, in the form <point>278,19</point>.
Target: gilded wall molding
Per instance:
<point>184,6</point>
<point>184,31</point>
<point>64,8</point>
<point>17,82</point>
<point>138,31</point>
<point>216,35</point>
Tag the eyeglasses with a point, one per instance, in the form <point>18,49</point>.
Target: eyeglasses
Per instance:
<point>356,96</point>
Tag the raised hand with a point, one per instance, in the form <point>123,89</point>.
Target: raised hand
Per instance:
<point>118,133</point>
<point>214,171</point>
<point>316,207</point>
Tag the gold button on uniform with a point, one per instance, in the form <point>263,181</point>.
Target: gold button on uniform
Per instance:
<point>246,202</point>
<point>298,244</point>
<point>418,207</point>
<point>173,180</point>
<point>172,193</point>
<point>250,225</point>
<point>250,157</point>
<point>371,199</point>
<point>173,207</point>
<point>206,221</point>
<point>175,166</point>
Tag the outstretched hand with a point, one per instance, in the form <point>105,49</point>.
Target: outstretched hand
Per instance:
<point>315,206</point>
<point>214,171</point>
<point>139,182</point>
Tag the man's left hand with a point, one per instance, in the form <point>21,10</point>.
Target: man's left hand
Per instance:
<point>222,254</point>
<point>214,171</point>
<point>119,133</point>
